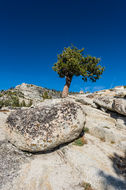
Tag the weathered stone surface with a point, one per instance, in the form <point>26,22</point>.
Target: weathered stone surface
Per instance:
<point>43,128</point>
<point>114,104</point>
<point>121,122</point>
<point>103,126</point>
<point>51,171</point>
<point>105,102</point>
<point>100,162</point>
<point>119,88</point>
<point>68,168</point>
<point>86,101</point>
<point>35,92</point>
<point>3,118</point>
<point>100,124</point>
<point>121,94</point>
<point>119,105</point>
<point>11,160</point>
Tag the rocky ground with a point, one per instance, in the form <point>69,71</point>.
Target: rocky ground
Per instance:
<point>95,161</point>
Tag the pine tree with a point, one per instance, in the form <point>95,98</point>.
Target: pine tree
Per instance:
<point>71,62</point>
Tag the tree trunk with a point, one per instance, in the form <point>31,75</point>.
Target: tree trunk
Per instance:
<point>66,87</point>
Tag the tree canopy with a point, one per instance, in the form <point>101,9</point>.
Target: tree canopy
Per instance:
<point>71,62</point>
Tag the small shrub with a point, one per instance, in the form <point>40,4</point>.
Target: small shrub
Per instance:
<point>86,130</point>
<point>87,186</point>
<point>46,96</point>
<point>80,142</point>
<point>112,142</point>
<point>10,93</point>
<point>15,102</point>
<point>7,103</point>
<point>1,104</point>
<point>30,103</point>
<point>106,127</point>
<point>102,139</point>
<point>23,104</point>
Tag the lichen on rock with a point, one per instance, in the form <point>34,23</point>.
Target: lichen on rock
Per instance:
<point>45,127</point>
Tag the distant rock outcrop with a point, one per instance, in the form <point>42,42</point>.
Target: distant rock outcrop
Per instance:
<point>25,95</point>
<point>36,92</point>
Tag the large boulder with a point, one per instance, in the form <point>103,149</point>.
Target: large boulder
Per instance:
<point>119,105</point>
<point>35,92</point>
<point>45,127</point>
<point>86,101</point>
<point>105,102</point>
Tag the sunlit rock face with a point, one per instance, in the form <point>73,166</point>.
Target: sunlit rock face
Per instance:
<point>99,161</point>
<point>105,102</point>
<point>119,106</point>
<point>114,104</point>
<point>45,127</point>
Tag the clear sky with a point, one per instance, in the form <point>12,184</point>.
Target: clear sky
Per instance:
<point>33,32</point>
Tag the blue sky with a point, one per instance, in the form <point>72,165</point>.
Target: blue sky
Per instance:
<point>32,33</point>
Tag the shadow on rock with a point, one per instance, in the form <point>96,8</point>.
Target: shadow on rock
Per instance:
<point>119,164</point>
<point>112,183</point>
<point>116,116</point>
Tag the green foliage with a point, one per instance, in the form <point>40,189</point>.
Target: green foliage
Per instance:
<point>23,104</point>
<point>1,104</point>
<point>71,62</point>
<point>112,142</point>
<point>14,102</point>
<point>106,127</point>
<point>80,142</point>
<point>30,103</point>
<point>86,130</point>
<point>10,93</point>
<point>87,186</point>
<point>11,98</point>
<point>46,96</point>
